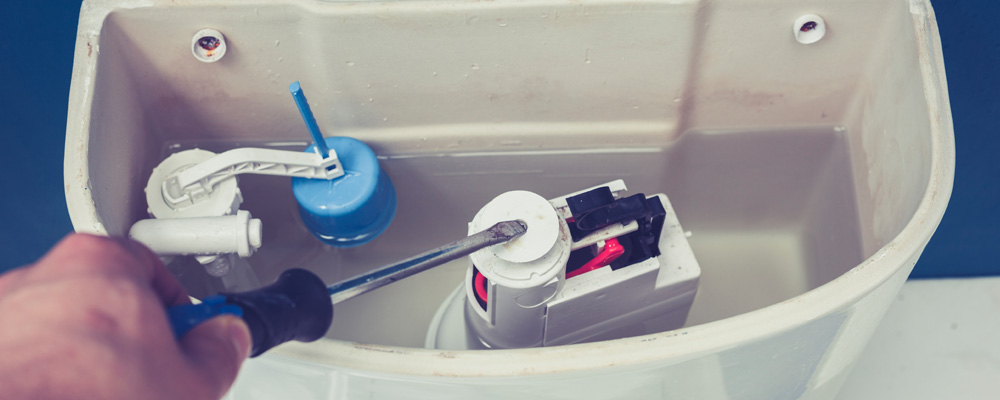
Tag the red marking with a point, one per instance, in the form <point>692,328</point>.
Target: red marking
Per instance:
<point>612,250</point>
<point>479,285</point>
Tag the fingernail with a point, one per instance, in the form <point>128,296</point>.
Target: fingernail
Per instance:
<point>239,336</point>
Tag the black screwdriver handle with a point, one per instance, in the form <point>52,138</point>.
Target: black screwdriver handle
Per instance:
<point>295,307</point>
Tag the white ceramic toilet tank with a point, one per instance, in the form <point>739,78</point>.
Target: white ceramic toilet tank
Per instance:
<point>810,176</point>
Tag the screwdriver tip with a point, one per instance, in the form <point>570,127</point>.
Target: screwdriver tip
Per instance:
<point>510,229</point>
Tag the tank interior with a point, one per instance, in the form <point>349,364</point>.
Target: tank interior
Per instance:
<point>781,159</point>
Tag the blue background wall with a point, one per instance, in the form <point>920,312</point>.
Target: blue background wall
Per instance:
<point>37,55</point>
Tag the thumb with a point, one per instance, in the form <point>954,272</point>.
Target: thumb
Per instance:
<point>217,348</point>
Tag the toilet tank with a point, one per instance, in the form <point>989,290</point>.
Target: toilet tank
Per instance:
<point>806,146</point>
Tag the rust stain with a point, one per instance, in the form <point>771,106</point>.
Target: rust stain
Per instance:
<point>90,49</point>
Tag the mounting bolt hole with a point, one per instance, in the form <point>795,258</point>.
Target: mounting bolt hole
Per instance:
<point>208,45</point>
<point>809,29</point>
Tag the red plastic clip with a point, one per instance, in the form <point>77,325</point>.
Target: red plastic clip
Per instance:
<point>479,285</point>
<point>612,250</point>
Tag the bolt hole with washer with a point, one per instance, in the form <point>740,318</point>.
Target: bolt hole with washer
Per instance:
<point>208,45</point>
<point>809,29</point>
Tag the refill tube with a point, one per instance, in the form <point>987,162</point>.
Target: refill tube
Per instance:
<point>238,234</point>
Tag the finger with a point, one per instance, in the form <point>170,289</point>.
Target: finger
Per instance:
<point>217,348</point>
<point>89,254</point>
<point>10,279</point>
<point>166,286</point>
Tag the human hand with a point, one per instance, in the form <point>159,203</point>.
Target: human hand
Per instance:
<point>88,321</point>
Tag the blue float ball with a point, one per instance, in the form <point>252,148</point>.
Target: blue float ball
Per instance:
<point>350,210</point>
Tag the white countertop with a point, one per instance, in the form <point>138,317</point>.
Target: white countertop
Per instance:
<point>939,340</point>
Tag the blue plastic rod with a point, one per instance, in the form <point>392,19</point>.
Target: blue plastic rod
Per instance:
<point>307,115</point>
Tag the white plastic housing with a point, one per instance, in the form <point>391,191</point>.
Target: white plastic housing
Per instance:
<point>524,274</point>
<point>238,234</point>
<point>225,199</point>
<point>547,309</point>
<point>654,295</point>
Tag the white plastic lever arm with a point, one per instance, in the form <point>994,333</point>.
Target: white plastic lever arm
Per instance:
<point>191,184</point>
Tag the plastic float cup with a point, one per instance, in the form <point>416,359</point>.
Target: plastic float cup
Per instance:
<point>350,210</point>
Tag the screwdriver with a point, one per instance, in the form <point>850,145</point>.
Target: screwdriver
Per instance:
<point>298,305</point>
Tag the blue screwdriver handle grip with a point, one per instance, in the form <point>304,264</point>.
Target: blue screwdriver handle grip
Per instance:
<point>186,317</point>
<point>295,307</point>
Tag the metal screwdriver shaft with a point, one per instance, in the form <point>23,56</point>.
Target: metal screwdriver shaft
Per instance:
<point>499,233</point>
<point>296,307</point>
